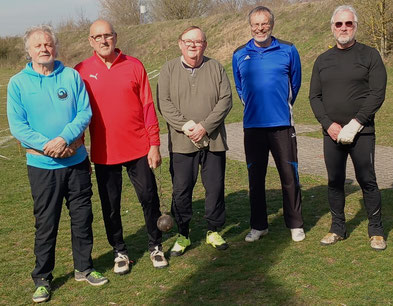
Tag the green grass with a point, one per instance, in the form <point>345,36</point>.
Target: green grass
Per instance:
<point>272,271</point>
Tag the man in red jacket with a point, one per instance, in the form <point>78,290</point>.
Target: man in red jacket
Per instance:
<point>124,132</point>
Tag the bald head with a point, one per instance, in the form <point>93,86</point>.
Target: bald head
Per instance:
<point>101,23</point>
<point>103,40</point>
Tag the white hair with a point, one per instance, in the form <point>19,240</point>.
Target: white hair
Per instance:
<point>345,8</point>
<point>40,28</point>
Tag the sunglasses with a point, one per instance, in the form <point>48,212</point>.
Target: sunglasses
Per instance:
<point>348,24</point>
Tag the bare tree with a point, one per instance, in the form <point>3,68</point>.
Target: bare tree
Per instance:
<point>178,9</point>
<point>227,6</point>
<point>121,11</point>
<point>377,15</point>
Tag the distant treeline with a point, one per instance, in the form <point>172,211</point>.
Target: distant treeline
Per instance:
<point>12,52</point>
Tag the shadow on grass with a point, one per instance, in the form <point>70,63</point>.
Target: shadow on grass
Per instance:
<point>387,210</point>
<point>240,275</point>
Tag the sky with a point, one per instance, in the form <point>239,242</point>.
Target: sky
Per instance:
<point>18,15</point>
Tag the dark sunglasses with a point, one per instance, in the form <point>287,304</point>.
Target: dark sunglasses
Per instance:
<point>348,24</point>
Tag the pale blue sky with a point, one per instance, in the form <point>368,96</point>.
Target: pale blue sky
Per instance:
<point>17,15</point>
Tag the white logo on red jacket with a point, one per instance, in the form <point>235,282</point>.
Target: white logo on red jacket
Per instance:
<point>94,76</point>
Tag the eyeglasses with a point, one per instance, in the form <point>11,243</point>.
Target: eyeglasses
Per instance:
<point>106,36</point>
<point>348,24</point>
<point>255,26</point>
<point>197,43</point>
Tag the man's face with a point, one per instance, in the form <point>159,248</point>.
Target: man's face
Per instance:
<point>261,28</point>
<point>344,27</point>
<point>193,45</point>
<point>102,39</point>
<point>41,48</point>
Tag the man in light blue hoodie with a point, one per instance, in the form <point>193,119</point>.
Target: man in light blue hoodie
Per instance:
<point>48,110</point>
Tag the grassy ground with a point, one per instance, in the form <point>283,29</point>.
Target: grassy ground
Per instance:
<point>272,271</point>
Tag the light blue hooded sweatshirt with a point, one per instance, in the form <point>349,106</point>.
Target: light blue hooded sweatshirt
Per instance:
<point>43,107</point>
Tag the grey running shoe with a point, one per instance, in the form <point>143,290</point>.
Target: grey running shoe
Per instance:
<point>254,235</point>
<point>94,278</point>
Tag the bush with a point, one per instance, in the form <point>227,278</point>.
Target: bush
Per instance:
<point>11,51</point>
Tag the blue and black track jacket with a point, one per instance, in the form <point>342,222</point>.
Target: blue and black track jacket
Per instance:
<point>267,81</point>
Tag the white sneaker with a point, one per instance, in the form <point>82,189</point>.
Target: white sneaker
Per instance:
<point>122,264</point>
<point>254,235</point>
<point>158,258</point>
<point>297,234</point>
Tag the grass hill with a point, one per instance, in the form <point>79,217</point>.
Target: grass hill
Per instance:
<point>306,24</point>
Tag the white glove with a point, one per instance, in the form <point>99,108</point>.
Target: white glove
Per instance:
<point>203,143</point>
<point>349,131</point>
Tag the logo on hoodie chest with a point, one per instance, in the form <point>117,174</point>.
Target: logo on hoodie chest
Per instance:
<point>62,94</point>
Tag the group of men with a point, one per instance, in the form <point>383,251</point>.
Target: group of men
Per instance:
<point>49,107</point>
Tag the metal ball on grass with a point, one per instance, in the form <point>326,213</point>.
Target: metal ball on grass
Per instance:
<point>165,223</point>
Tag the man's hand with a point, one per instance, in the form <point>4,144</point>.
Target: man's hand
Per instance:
<point>333,130</point>
<point>68,151</point>
<point>349,132</point>
<point>154,157</point>
<point>55,147</point>
<point>197,132</point>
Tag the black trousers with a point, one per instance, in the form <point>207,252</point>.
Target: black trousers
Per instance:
<point>281,141</point>
<point>48,188</point>
<point>184,169</point>
<point>362,152</point>
<point>109,180</point>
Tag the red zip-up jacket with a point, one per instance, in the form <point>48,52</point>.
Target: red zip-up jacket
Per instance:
<point>124,123</point>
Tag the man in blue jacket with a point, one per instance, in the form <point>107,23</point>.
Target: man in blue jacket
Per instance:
<point>48,110</point>
<point>267,74</point>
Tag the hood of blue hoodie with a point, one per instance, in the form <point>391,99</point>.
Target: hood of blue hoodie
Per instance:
<point>57,68</point>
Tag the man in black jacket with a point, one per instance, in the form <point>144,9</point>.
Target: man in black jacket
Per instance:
<point>347,88</point>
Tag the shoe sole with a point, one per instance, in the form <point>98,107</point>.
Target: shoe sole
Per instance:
<point>177,254</point>
<point>262,235</point>
<point>326,244</point>
<point>253,240</point>
<point>93,284</point>
<point>40,300</point>
<point>122,272</point>
<point>298,240</point>
<point>379,249</point>
<point>161,267</point>
<point>221,247</point>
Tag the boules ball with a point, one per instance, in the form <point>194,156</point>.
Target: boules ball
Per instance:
<point>165,223</point>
